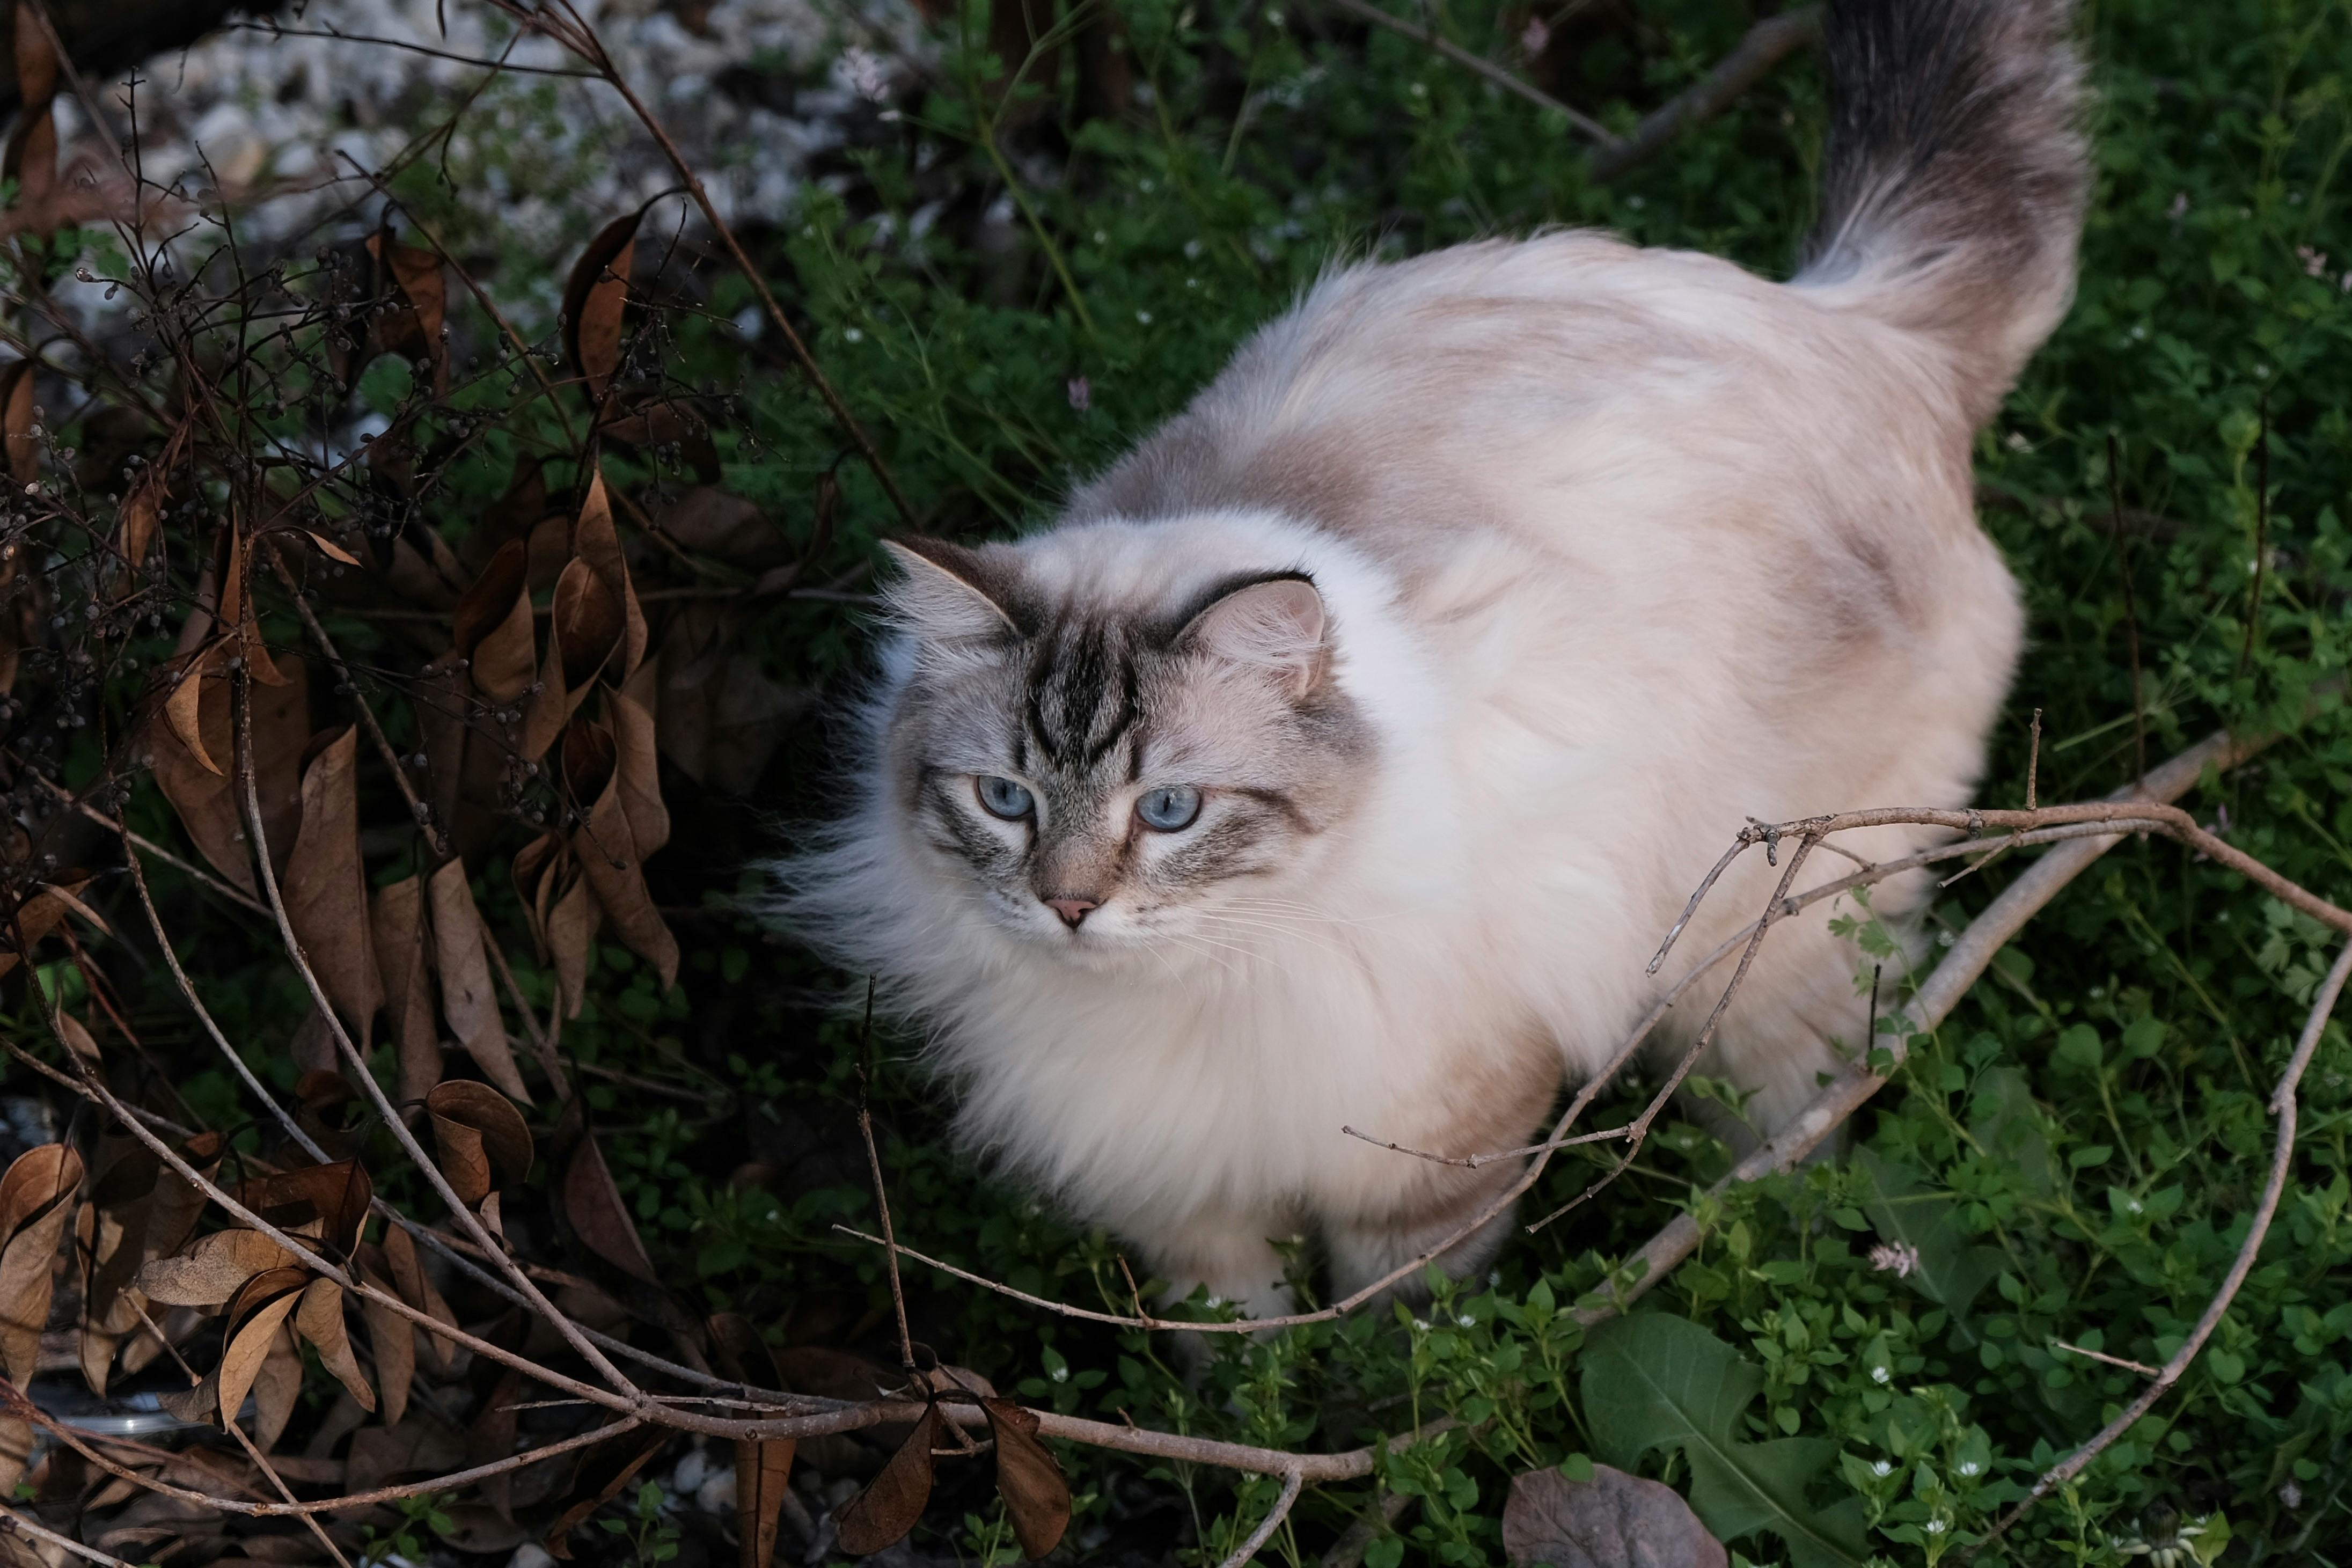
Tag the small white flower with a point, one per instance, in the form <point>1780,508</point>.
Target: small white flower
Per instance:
<point>1900,1259</point>
<point>854,335</point>
<point>1420,90</point>
<point>1467,1320</point>
<point>2291,1495</point>
<point>1060,1374</point>
<point>1144,316</point>
<point>1969,1467</point>
<point>1880,1374</point>
<point>1191,249</point>
<point>1880,1468</point>
<point>1421,1325</point>
<point>1216,1301</point>
<point>1934,1527</point>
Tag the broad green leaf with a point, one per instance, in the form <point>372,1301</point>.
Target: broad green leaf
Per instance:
<point>1950,1272</point>
<point>1653,1381</point>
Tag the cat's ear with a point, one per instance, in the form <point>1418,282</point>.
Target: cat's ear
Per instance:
<point>1278,623</point>
<point>948,594</point>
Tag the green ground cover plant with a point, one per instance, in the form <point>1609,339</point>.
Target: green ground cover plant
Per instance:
<point>1017,261</point>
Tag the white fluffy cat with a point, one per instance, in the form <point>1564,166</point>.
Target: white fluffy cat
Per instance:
<point>1344,751</point>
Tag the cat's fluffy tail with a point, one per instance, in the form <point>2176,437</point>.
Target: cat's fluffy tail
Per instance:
<point>1955,176</point>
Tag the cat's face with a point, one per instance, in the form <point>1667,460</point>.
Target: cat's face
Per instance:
<point>1106,770</point>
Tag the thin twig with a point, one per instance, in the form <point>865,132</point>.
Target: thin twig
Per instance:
<point>2283,1105</point>
<point>881,1194</point>
<point>1291,1486</point>
<point>1472,1162</point>
<point>1767,43</point>
<point>2140,1367</point>
<point>21,1522</point>
<point>1586,126</point>
<point>250,800</point>
<point>581,39</point>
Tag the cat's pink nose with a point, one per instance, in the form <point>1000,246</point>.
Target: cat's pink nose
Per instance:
<point>1072,910</point>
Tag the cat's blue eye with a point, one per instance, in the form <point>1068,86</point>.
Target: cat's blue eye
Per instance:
<point>1169,808</point>
<point>1005,798</point>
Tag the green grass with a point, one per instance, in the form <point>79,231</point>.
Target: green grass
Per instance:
<point>2074,1150</point>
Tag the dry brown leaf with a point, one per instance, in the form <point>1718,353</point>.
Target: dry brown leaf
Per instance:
<point>762,1469</point>
<point>405,962</point>
<point>414,329</point>
<point>493,626</point>
<point>181,709</point>
<point>1036,1494</point>
<point>37,917</point>
<point>205,800</point>
<point>588,626</point>
<point>37,1202</point>
<point>393,1339</point>
<point>330,549</point>
<point>892,1501</point>
<point>572,927</point>
<point>325,885</point>
<point>37,60</point>
<point>80,1041</point>
<point>143,506</point>
<point>319,1320</point>
<point>608,858</point>
<point>638,759</point>
<point>416,1287</point>
<point>16,1452</point>
<point>328,1203</point>
<point>467,999</point>
<point>595,299</point>
<point>713,522</point>
<point>1613,1520</point>
<point>16,421</point>
<point>213,1269</point>
<point>478,1129</point>
<point>596,541</point>
<point>255,1317</point>
<point>275,1388</point>
<point>178,1202</point>
<point>593,1204</point>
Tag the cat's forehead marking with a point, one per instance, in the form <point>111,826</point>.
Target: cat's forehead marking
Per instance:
<point>1082,695</point>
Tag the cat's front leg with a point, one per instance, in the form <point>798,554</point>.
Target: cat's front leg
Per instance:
<point>1234,1255</point>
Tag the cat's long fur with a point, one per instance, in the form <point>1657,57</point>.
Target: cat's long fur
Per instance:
<point>1609,550</point>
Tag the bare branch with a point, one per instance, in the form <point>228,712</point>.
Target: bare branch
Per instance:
<point>1767,43</point>
<point>1586,126</point>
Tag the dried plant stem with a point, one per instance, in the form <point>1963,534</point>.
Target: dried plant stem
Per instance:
<point>2283,1105</point>
<point>249,800</point>
<point>14,1523</point>
<point>2140,1367</point>
<point>2084,832</point>
<point>1586,126</point>
<point>1292,1484</point>
<point>1767,43</point>
<point>577,35</point>
<point>232,893</point>
<point>1968,958</point>
<point>418,811</point>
